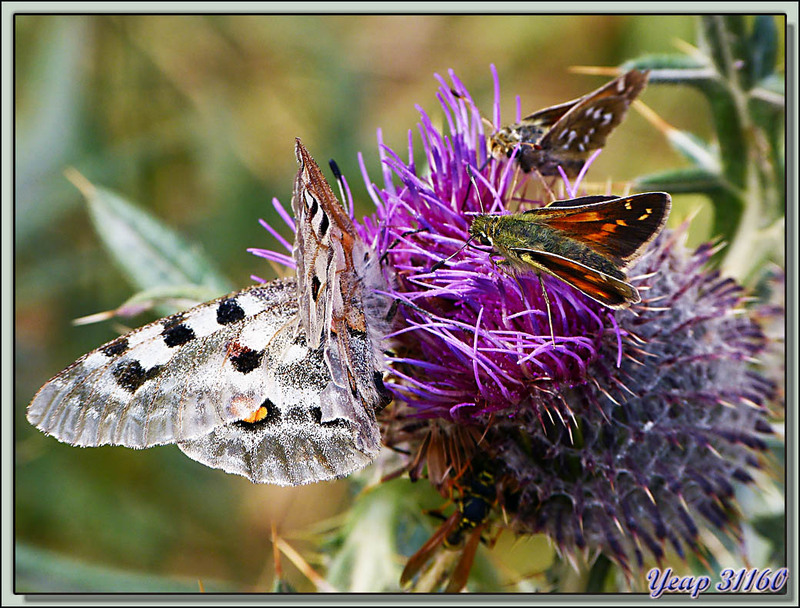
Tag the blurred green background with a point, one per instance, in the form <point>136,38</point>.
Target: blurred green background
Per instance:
<point>194,118</point>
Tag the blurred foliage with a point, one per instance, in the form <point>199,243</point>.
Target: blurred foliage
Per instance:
<point>743,172</point>
<point>194,118</point>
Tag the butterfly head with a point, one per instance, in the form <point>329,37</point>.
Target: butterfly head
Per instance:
<point>503,142</point>
<point>483,229</point>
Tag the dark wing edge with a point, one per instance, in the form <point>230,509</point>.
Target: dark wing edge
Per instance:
<point>620,228</point>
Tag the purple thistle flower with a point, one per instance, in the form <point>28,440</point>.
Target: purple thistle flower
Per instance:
<point>474,339</point>
<point>657,444</point>
<point>627,434</point>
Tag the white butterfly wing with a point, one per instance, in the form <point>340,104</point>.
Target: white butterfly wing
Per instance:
<point>195,377</point>
<point>279,382</point>
<point>171,380</point>
<point>312,432</point>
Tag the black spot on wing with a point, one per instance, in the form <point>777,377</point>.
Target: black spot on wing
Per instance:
<point>316,416</point>
<point>273,413</point>
<point>297,416</point>
<point>229,311</point>
<point>177,335</point>
<point>130,375</point>
<point>315,285</point>
<point>247,360</point>
<point>324,224</point>
<point>117,347</point>
<point>173,320</point>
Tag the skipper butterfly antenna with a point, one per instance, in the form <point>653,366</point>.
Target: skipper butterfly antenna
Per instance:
<point>484,120</point>
<point>441,263</point>
<point>475,184</point>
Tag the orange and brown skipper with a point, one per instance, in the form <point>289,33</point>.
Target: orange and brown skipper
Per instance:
<point>586,242</point>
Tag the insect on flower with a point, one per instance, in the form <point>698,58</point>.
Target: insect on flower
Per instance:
<point>586,242</point>
<point>278,382</point>
<point>565,135</point>
<point>478,495</point>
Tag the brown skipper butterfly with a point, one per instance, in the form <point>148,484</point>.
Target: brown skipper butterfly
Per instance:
<point>565,135</point>
<point>586,242</point>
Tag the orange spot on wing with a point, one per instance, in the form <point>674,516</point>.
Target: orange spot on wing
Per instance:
<point>243,407</point>
<point>259,414</point>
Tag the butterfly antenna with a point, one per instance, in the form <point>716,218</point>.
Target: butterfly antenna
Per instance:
<point>468,101</point>
<point>475,184</point>
<point>337,174</point>
<point>441,263</point>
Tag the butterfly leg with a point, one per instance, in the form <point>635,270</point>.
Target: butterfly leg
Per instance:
<point>500,262</point>
<point>549,312</point>
<point>548,190</point>
<point>442,262</point>
<point>397,241</point>
<point>513,189</point>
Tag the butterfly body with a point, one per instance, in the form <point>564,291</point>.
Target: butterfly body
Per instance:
<point>565,135</point>
<point>278,382</point>
<point>514,235</point>
<point>586,242</point>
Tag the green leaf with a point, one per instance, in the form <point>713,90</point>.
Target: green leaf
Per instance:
<point>50,124</point>
<point>674,69</point>
<point>367,559</point>
<point>39,571</point>
<point>775,84</point>
<point>730,133</point>
<point>723,39</point>
<point>148,252</point>
<point>693,148</point>
<point>728,211</point>
<point>666,62</point>
<point>683,181</point>
<point>773,528</point>
<point>599,575</point>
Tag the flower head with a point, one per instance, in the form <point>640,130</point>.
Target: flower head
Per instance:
<point>475,339</point>
<point>613,431</point>
<point>626,433</point>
